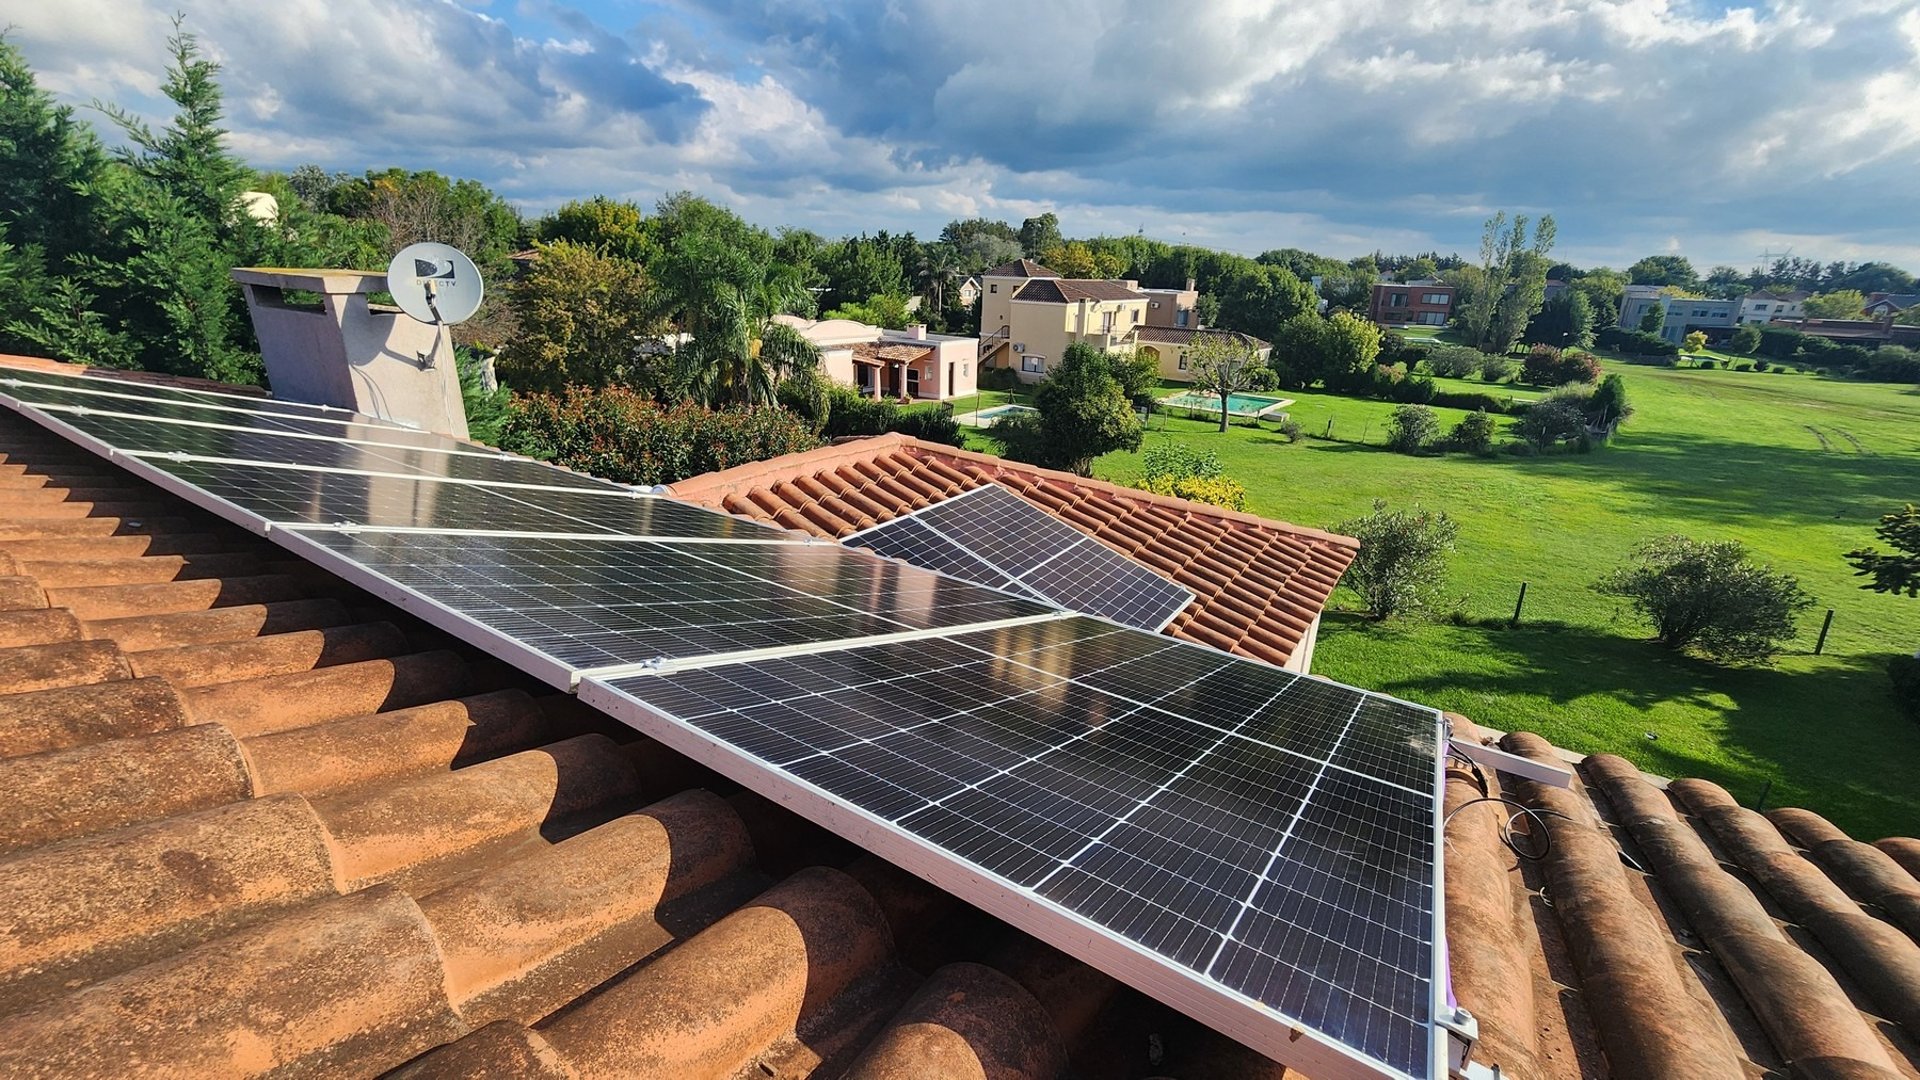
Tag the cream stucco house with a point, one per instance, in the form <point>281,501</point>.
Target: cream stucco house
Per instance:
<point>908,363</point>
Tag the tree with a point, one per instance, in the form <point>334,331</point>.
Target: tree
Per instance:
<point>583,315</point>
<point>1696,342</point>
<point>177,229</point>
<point>425,205</point>
<point>1402,564</point>
<point>1512,285</point>
<point>1037,234</point>
<point>49,165</point>
<point>1083,413</point>
<point>1412,429</point>
<point>1672,270</point>
<point>1745,339</point>
<point>939,268</point>
<point>886,311</point>
<point>1710,596</point>
<point>1609,401</point>
<point>1349,348</point>
<point>1222,364</point>
<point>1654,319</point>
<point>1843,304</point>
<point>1138,372</point>
<point>1548,423</point>
<point>1566,320</point>
<point>1256,299</point>
<point>1892,573</point>
<point>617,228</point>
<point>1077,260</point>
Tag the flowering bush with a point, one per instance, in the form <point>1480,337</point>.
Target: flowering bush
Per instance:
<point>620,435</point>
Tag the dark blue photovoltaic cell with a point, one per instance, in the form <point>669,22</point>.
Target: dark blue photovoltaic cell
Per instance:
<point>1266,831</point>
<point>993,537</point>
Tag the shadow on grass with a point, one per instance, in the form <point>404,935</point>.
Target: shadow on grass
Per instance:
<point>1828,738</point>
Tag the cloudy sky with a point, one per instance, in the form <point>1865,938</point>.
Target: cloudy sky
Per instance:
<point>1341,126</point>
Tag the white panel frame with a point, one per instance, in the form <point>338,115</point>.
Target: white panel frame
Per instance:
<point>1227,1011</point>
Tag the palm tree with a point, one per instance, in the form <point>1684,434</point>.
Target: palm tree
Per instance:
<point>939,266</point>
<point>735,353</point>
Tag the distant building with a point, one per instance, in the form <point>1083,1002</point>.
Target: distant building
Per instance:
<point>1030,314</point>
<point>1766,305</point>
<point>1418,303</point>
<point>1684,315</point>
<point>1882,304</point>
<point>1555,290</point>
<point>1869,333</point>
<point>969,292</point>
<point>1169,345</point>
<point>1173,307</point>
<point>908,363</point>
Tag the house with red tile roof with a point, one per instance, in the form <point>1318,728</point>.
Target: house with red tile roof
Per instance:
<point>254,821</point>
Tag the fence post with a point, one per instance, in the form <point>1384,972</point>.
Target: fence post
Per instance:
<point>1824,627</point>
<point>1329,434</point>
<point>1518,604</point>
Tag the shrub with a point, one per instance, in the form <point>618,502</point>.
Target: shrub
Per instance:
<point>1706,365</point>
<point>1217,490</point>
<point>1455,361</point>
<point>1496,367</point>
<point>1780,342</point>
<point>1550,422</point>
<point>999,378</point>
<point>1744,340</point>
<point>1414,390</point>
<point>1761,365</point>
<point>1473,434</point>
<point>623,436</point>
<point>1261,379</point>
<point>1635,342</point>
<point>1412,429</point>
<point>1905,673</point>
<point>1290,429</point>
<point>933,425</point>
<point>1187,473</point>
<point>851,413</point>
<point>1456,399</point>
<point>1709,596</point>
<point>1548,366</point>
<point>1894,364</point>
<point>1402,564</point>
<point>1609,401</point>
<point>1745,366</point>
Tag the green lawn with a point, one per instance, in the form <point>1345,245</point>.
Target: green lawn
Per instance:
<point>1797,467</point>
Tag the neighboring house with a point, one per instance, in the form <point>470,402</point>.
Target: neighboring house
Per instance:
<point>1871,333</point>
<point>1684,315</point>
<point>1883,304</point>
<point>1168,345</point>
<point>1029,315</point>
<point>1766,305</point>
<point>1555,289</point>
<point>1173,307</point>
<point>968,292</point>
<point>315,835</point>
<point>1416,303</point>
<point>908,363</point>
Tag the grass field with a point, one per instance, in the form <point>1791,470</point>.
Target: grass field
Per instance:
<point>1797,467</point>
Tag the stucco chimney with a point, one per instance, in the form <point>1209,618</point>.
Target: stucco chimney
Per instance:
<point>348,353</point>
<point>1190,285</point>
<point>917,331</point>
<point>1132,283</point>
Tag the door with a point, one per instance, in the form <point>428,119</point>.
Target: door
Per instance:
<point>952,377</point>
<point>913,382</point>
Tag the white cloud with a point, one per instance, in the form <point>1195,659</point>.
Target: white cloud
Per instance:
<point>1342,124</point>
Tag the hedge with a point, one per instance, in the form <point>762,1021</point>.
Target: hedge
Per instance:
<point>623,436</point>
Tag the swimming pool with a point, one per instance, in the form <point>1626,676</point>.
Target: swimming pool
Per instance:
<point>989,417</point>
<point>1237,404</point>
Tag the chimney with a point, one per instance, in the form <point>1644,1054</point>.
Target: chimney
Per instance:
<point>1132,284</point>
<point>1190,285</point>
<point>917,331</point>
<point>349,354</point>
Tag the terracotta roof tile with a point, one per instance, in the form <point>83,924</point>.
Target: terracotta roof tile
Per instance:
<point>1209,550</point>
<point>1056,290</point>
<point>270,825</point>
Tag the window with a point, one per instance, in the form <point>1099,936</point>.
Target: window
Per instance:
<point>1180,317</point>
<point>1153,303</point>
<point>966,369</point>
<point>1136,314</point>
<point>1033,362</point>
<point>993,288</point>
<point>1398,299</point>
<point>1183,361</point>
<point>913,382</point>
<point>1433,318</point>
<point>1437,299</point>
<point>1106,322</point>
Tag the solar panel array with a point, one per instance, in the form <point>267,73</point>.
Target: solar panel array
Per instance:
<point>1254,847</point>
<point>990,536</point>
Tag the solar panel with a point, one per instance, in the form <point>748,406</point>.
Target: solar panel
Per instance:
<point>1263,838</point>
<point>581,603</point>
<point>993,537</point>
<point>1256,848</point>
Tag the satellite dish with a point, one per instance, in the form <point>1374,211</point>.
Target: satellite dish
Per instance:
<point>435,284</point>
